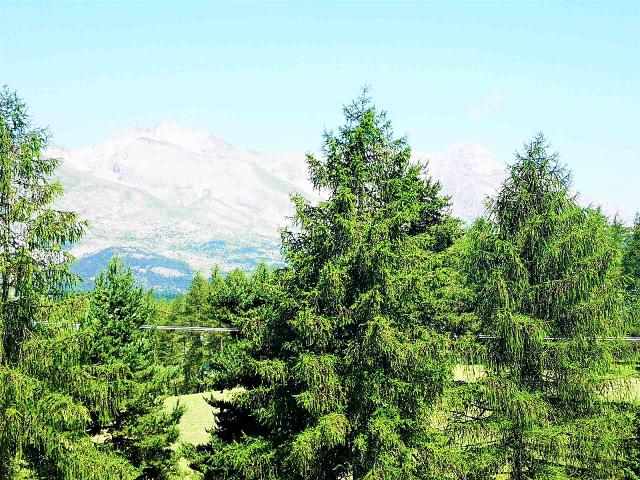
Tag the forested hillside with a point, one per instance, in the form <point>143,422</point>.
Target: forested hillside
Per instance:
<point>394,342</point>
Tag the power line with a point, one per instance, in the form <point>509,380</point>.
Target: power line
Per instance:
<point>163,327</point>
<point>189,328</point>
<point>556,339</point>
<point>194,328</point>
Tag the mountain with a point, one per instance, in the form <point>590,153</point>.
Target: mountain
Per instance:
<point>166,276</point>
<point>468,172</point>
<point>174,194</point>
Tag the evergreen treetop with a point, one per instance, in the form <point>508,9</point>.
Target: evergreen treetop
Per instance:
<point>548,277</point>
<point>343,365</point>
<point>46,392</point>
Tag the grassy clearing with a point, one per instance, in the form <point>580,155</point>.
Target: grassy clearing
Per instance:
<point>195,424</point>
<point>198,418</point>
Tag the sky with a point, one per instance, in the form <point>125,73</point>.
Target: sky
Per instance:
<point>272,76</point>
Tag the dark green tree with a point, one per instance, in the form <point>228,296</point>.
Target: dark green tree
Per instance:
<point>222,301</point>
<point>42,423</point>
<point>344,364</point>
<point>548,279</point>
<point>135,426</point>
<point>231,296</point>
<point>631,269</point>
<point>631,258</point>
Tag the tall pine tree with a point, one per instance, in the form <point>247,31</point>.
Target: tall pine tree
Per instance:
<point>33,264</point>
<point>343,369</point>
<point>548,279</point>
<point>42,423</point>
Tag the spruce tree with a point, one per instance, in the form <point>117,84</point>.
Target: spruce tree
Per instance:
<point>135,425</point>
<point>42,423</point>
<point>631,268</point>
<point>548,279</point>
<point>33,264</point>
<point>197,311</point>
<point>631,259</point>
<point>344,364</point>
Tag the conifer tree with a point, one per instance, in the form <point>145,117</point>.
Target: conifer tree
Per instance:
<point>197,303</point>
<point>631,268</point>
<point>631,259</point>
<point>344,363</point>
<point>548,280</point>
<point>197,311</point>
<point>135,426</point>
<point>33,265</point>
<point>236,301</point>
<point>217,302</point>
<point>42,425</point>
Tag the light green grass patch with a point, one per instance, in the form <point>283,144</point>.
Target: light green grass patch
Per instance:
<point>198,417</point>
<point>624,384</point>
<point>195,424</point>
<point>468,373</point>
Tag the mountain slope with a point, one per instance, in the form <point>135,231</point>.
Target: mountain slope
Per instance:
<point>185,195</point>
<point>166,276</point>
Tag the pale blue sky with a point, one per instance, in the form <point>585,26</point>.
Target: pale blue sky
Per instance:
<point>270,76</point>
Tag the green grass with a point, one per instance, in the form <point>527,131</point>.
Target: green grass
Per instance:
<point>195,424</point>
<point>198,418</point>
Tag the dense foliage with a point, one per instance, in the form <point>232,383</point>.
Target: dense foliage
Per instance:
<point>395,343</point>
<point>220,301</point>
<point>134,425</point>
<point>631,259</point>
<point>43,426</point>
<point>631,268</point>
<point>548,276</point>
<point>74,403</point>
<point>345,363</point>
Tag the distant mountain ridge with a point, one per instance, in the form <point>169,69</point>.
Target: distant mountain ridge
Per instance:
<point>179,194</point>
<point>166,276</point>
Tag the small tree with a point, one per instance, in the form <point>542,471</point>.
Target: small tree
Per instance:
<point>135,426</point>
<point>548,277</point>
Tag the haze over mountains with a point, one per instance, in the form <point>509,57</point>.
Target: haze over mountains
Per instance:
<point>173,200</point>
